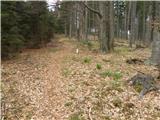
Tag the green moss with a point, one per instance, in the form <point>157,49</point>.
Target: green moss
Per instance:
<point>76,116</point>
<point>138,87</point>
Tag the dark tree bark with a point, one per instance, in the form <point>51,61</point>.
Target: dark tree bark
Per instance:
<point>111,24</point>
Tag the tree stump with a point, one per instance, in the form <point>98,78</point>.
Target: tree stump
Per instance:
<point>143,83</point>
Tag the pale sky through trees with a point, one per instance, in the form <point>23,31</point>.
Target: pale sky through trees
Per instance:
<point>51,2</point>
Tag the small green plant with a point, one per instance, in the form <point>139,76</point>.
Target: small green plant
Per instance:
<point>106,74</point>
<point>117,75</point>
<point>99,66</point>
<point>76,116</point>
<point>87,60</point>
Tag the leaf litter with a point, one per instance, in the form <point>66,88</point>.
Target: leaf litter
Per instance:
<point>63,85</point>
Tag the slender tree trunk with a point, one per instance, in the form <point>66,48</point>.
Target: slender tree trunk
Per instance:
<point>153,18</point>
<point>125,22</point>
<point>111,23</point>
<point>148,27</point>
<point>65,28</point>
<point>133,15</point>
<point>144,22</point>
<point>86,23</point>
<point>128,21</point>
<point>70,26</point>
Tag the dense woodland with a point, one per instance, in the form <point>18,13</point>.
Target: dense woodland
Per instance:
<point>137,22</point>
<point>80,60</point>
<point>32,24</point>
<point>25,24</point>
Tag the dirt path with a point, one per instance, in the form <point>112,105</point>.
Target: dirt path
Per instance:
<point>38,75</point>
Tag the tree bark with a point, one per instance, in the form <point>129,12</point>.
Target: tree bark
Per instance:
<point>155,57</point>
<point>133,16</point>
<point>111,23</point>
<point>129,21</point>
<point>86,23</point>
<point>148,27</point>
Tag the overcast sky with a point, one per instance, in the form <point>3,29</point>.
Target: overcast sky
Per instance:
<point>50,2</point>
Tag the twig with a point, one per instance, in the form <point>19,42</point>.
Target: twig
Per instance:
<point>89,113</point>
<point>138,71</point>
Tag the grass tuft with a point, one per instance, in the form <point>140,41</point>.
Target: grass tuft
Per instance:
<point>98,66</point>
<point>115,75</point>
<point>87,60</point>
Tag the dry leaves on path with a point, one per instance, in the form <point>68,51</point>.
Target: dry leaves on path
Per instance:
<point>55,83</point>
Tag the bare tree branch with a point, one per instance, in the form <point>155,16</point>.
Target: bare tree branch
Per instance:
<point>93,10</point>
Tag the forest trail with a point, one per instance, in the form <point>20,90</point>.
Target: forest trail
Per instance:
<point>54,83</point>
<point>37,73</point>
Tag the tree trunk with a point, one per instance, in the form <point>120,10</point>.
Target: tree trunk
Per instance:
<point>86,23</point>
<point>128,20</point>
<point>148,27</point>
<point>125,21</point>
<point>133,16</point>
<point>144,22</point>
<point>111,26</point>
<point>103,36</point>
<point>70,26</point>
<point>155,57</point>
<point>106,26</point>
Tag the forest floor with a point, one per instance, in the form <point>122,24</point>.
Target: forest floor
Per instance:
<point>56,83</point>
